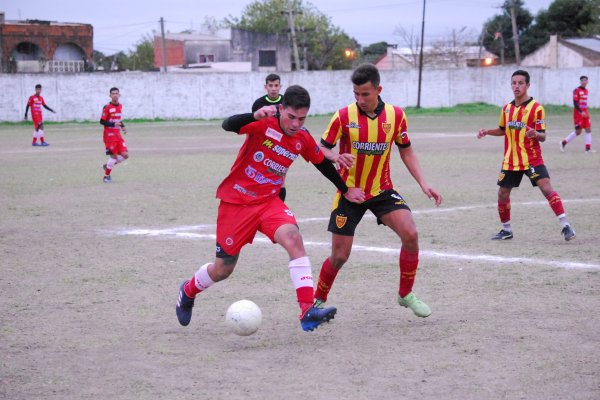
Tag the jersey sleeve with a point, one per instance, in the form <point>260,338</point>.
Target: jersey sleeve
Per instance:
<point>104,115</point>
<point>334,130</point>
<point>502,121</point>
<point>402,138</point>
<point>253,128</point>
<point>311,151</point>
<point>540,119</point>
<point>43,101</point>
<point>30,101</point>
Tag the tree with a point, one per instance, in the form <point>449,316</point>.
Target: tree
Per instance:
<point>412,42</point>
<point>142,57</point>
<point>497,31</point>
<point>320,43</point>
<point>373,52</point>
<point>569,18</point>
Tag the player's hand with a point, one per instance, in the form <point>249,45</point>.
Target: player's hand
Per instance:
<point>531,133</point>
<point>124,130</point>
<point>355,195</point>
<point>481,133</point>
<point>585,114</point>
<point>433,195</point>
<point>345,160</point>
<point>265,112</point>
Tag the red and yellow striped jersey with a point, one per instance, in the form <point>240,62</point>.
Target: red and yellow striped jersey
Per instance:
<point>370,141</point>
<point>520,151</point>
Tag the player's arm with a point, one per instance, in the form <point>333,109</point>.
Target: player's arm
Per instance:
<point>490,132</point>
<point>345,160</point>
<point>48,108</point>
<point>409,158</point>
<point>540,136</point>
<point>26,110</point>
<point>236,122</point>
<point>355,195</point>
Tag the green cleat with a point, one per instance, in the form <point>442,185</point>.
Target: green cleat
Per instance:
<point>417,306</point>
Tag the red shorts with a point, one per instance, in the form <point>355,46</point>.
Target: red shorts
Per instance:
<point>115,147</point>
<point>237,224</point>
<point>580,121</point>
<point>37,122</point>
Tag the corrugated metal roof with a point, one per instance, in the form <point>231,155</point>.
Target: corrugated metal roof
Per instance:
<point>589,43</point>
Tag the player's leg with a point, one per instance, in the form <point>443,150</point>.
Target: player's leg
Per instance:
<point>506,181</point>
<point>343,221</point>
<point>110,164</point>
<point>570,136</point>
<point>35,132</point>
<point>588,140</point>
<point>41,135</point>
<point>542,180</point>
<point>279,224</point>
<point>124,155</point>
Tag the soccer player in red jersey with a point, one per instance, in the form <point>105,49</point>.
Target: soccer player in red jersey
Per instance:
<point>250,204</point>
<point>523,125</point>
<point>367,130</point>
<point>581,117</point>
<point>112,120</point>
<point>36,102</point>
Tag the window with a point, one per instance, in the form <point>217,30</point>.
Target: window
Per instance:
<point>206,58</point>
<point>267,58</point>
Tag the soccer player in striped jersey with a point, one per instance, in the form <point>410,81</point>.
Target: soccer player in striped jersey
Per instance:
<point>36,102</point>
<point>366,131</point>
<point>581,117</point>
<point>249,201</point>
<point>523,125</point>
<point>112,120</point>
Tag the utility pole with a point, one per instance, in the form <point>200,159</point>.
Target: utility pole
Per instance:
<point>421,57</point>
<point>164,47</point>
<point>513,17</point>
<point>290,14</point>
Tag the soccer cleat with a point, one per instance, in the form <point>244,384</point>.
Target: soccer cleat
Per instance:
<point>35,144</point>
<point>107,179</point>
<point>415,304</point>
<point>184,306</point>
<point>44,144</point>
<point>562,147</point>
<point>589,151</point>
<point>568,233</point>
<point>315,316</point>
<point>502,235</point>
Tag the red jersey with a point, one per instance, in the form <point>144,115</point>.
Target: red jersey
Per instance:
<point>580,98</point>
<point>370,141</point>
<point>520,152</point>
<point>36,102</point>
<point>263,161</point>
<point>112,113</point>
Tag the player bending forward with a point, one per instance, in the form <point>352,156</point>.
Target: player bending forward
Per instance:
<point>111,119</point>
<point>250,202</point>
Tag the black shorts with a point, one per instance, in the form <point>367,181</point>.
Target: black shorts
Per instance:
<point>512,179</point>
<point>346,216</point>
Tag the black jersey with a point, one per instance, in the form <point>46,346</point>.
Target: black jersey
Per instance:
<point>265,101</point>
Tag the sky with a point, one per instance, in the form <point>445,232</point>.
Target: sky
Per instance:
<point>118,26</point>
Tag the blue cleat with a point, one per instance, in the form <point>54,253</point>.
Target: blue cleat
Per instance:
<point>315,316</point>
<point>184,307</point>
<point>35,144</point>
<point>44,144</point>
<point>107,179</point>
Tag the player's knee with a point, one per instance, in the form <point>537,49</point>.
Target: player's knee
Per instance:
<point>410,239</point>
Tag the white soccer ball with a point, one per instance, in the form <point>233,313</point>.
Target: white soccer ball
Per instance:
<point>243,317</point>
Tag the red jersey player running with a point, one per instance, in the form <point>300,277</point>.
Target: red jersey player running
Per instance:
<point>115,146</point>
<point>581,117</point>
<point>523,125</point>
<point>250,201</point>
<point>36,102</point>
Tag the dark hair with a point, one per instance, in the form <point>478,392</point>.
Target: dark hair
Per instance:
<point>296,97</point>
<point>522,73</point>
<point>38,86</point>
<point>583,77</point>
<point>272,77</point>
<point>113,88</point>
<point>366,73</point>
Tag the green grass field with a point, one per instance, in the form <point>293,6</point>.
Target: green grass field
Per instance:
<point>90,273</point>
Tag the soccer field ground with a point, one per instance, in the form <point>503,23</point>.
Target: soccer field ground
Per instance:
<point>90,275</point>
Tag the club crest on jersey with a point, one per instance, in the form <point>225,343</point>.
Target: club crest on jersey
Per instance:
<point>387,127</point>
<point>229,241</point>
<point>259,156</point>
<point>353,125</point>
<point>340,221</point>
<point>272,133</point>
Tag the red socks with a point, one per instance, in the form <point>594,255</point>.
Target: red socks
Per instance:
<point>326,278</point>
<point>190,288</point>
<point>504,211</point>
<point>555,203</point>
<point>409,261</point>
<point>305,298</point>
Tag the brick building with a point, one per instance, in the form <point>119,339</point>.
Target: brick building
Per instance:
<point>257,51</point>
<point>45,46</point>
